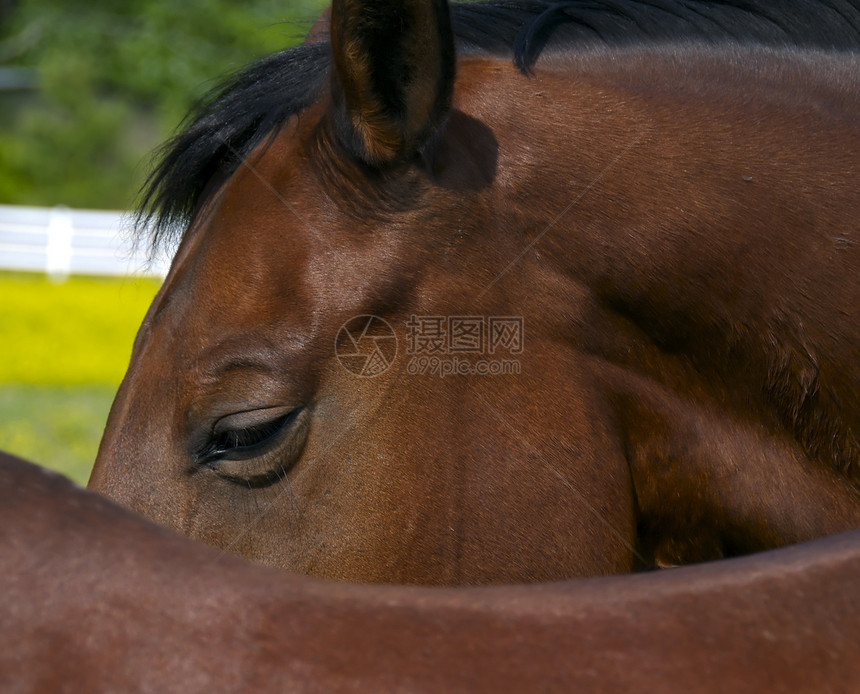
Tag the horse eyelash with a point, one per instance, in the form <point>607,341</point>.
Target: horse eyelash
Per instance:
<point>234,439</point>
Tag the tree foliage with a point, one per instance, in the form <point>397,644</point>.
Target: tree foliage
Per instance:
<point>115,79</point>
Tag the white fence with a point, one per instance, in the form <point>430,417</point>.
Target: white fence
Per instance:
<point>60,242</point>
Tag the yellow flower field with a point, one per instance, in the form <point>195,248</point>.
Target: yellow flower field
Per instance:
<point>64,348</point>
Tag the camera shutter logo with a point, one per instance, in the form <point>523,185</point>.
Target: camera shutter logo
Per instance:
<point>366,346</point>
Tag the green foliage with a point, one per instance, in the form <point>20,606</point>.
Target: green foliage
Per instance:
<point>114,80</point>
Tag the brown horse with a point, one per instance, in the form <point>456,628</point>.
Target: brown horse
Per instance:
<point>94,599</point>
<point>436,318</point>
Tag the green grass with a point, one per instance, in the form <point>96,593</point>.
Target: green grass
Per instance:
<point>63,351</point>
<point>56,426</point>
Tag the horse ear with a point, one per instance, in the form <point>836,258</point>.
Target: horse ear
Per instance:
<point>394,75</point>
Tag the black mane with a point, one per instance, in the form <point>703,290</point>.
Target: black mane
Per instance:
<point>256,102</point>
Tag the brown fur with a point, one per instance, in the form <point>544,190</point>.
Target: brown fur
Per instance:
<point>94,599</point>
<point>392,98</point>
<point>676,226</point>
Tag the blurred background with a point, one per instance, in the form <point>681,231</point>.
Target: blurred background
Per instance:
<point>87,91</point>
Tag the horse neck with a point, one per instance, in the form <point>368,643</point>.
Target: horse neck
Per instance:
<point>714,252</point>
<point>73,563</point>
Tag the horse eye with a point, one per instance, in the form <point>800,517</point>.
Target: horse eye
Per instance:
<point>245,435</point>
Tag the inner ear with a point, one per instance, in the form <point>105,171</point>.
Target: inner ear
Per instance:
<point>393,75</point>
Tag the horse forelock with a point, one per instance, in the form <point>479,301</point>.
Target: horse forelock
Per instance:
<point>254,104</point>
<point>227,125</point>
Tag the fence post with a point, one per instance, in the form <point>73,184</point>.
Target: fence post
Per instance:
<point>58,258</point>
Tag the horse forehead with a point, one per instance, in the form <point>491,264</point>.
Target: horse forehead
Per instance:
<point>271,189</point>
<point>259,229</point>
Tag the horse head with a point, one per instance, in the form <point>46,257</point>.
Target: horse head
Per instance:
<point>437,320</point>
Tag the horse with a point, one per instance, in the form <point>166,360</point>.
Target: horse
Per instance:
<point>508,293</point>
<point>94,598</point>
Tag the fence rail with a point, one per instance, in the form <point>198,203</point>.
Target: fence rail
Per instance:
<point>60,242</point>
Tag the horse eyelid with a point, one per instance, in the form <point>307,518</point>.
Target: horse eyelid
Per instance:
<point>244,441</point>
